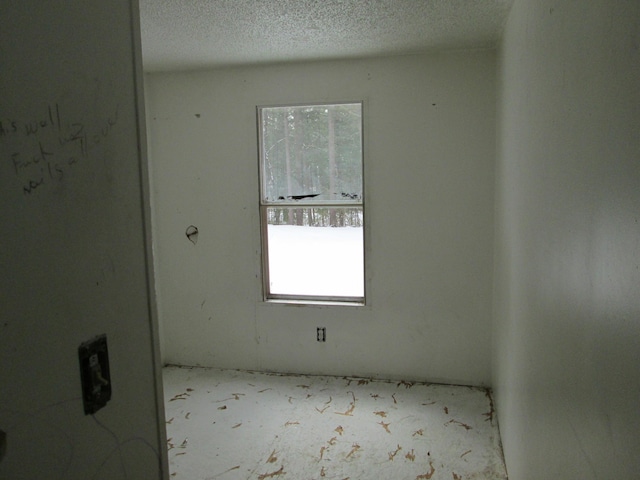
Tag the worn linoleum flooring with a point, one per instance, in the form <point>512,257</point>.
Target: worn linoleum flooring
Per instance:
<point>227,424</point>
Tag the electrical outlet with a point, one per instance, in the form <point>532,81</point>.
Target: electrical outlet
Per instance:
<point>94,373</point>
<point>321,334</point>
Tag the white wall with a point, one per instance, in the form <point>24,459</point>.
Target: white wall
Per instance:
<point>73,243</point>
<point>567,331</point>
<point>429,177</point>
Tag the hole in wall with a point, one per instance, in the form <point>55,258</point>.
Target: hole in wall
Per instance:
<point>192,234</point>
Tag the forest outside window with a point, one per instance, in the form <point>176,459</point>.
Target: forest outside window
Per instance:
<point>311,202</point>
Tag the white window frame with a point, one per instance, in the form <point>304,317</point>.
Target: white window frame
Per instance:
<point>268,296</point>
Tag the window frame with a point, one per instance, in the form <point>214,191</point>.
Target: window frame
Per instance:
<point>267,295</point>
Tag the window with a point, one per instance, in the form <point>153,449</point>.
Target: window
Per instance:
<point>311,202</point>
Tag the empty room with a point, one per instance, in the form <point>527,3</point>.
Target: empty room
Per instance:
<point>234,146</point>
<point>304,240</point>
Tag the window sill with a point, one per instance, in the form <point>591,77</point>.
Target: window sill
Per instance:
<point>313,303</point>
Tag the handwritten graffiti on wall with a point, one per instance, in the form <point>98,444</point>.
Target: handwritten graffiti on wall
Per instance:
<point>41,151</point>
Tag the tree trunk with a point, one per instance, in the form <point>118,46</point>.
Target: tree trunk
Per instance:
<point>287,160</point>
<point>332,163</point>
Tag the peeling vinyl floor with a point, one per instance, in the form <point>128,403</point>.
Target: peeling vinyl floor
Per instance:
<point>227,424</point>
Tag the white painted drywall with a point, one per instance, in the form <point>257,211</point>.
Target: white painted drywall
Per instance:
<point>567,331</point>
<point>73,243</point>
<point>429,128</point>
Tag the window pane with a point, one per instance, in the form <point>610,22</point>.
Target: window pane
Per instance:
<point>316,251</point>
<point>312,153</point>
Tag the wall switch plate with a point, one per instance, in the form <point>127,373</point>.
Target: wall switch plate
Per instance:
<point>321,334</point>
<point>94,373</point>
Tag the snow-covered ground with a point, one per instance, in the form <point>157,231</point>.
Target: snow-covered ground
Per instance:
<point>316,260</point>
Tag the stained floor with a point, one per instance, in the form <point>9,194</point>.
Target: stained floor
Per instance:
<point>227,424</point>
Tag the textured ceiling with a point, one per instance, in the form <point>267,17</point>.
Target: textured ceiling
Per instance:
<point>193,34</point>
